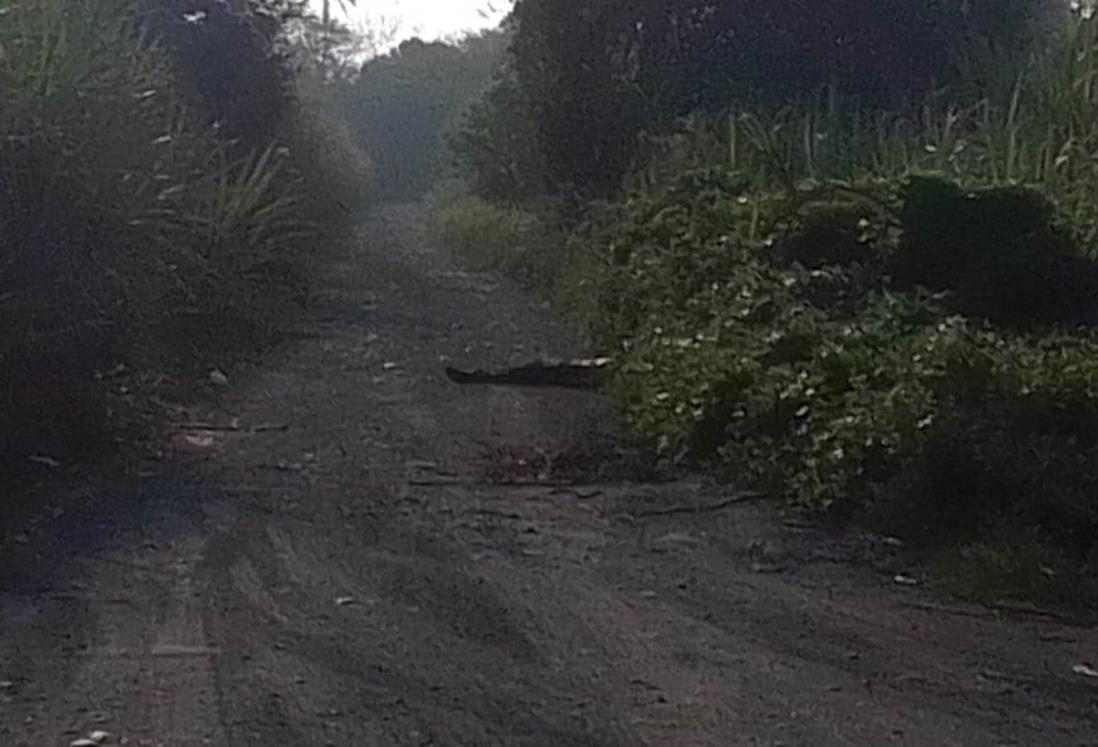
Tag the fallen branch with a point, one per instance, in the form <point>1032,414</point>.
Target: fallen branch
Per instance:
<point>583,374</point>
<point>1023,609</point>
<point>209,427</point>
<point>488,484</point>
<point>703,509</point>
<point>992,609</point>
<point>216,428</point>
<point>498,514</point>
<point>270,428</point>
<point>443,483</point>
<point>941,609</point>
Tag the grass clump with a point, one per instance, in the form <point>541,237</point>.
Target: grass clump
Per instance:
<point>521,243</point>
<point>127,223</point>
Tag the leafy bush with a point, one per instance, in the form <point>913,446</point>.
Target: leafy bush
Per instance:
<point>336,173</point>
<point>999,251</point>
<point>762,334</point>
<point>493,144</point>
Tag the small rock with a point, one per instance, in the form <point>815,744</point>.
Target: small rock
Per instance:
<point>99,737</point>
<point>766,568</point>
<point>674,540</point>
<point>344,601</point>
<point>905,580</point>
<point>1085,671</point>
<point>218,377</point>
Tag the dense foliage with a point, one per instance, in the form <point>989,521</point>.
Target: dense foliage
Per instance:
<point>226,62</point>
<point>872,299</point>
<point>139,199</point>
<point>493,146</point>
<point>770,334</point>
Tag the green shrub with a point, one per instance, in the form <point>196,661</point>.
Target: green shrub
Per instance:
<point>998,250</point>
<point>1015,562</point>
<point>337,176</point>
<point>494,143</point>
<point>764,335</point>
<point>518,243</point>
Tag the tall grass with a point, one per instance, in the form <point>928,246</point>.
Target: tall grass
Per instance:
<point>120,209</point>
<point>1031,121</point>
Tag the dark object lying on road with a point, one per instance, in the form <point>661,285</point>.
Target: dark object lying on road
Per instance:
<point>580,374</point>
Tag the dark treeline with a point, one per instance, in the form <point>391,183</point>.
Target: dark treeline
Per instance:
<point>630,66</point>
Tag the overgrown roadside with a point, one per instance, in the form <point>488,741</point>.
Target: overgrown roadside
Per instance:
<point>874,299</point>
<point>333,556</point>
<point>156,206</point>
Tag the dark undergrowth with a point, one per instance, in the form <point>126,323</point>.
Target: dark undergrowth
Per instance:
<point>150,225</point>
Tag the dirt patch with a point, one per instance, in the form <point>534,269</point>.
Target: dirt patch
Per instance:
<point>589,458</point>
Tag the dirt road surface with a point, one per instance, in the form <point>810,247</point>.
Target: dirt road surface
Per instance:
<point>370,554</point>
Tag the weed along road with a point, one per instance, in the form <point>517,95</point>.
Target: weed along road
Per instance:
<point>351,549</point>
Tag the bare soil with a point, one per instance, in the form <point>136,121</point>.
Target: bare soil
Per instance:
<point>346,548</point>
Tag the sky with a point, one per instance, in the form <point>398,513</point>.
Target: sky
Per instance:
<point>427,19</point>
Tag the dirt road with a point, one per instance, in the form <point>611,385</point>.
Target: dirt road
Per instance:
<point>345,565</point>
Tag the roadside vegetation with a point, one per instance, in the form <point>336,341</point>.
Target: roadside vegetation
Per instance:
<point>859,273</point>
<point>162,191</point>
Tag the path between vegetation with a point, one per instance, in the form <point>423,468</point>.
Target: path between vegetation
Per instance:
<point>346,567</point>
